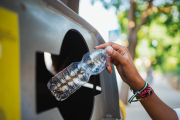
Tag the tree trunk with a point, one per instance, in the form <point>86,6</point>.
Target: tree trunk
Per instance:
<point>132,44</point>
<point>124,87</point>
<point>132,38</point>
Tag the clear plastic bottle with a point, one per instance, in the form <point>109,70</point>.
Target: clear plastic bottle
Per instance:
<point>70,79</point>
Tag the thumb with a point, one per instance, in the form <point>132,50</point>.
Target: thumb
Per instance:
<point>114,54</point>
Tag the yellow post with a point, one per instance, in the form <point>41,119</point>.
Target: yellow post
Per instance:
<point>122,107</point>
<point>9,66</point>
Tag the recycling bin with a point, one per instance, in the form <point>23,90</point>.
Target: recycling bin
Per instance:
<point>39,38</point>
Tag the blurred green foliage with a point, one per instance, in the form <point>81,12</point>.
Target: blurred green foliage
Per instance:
<point>163,28</point>
<point>159,37</point>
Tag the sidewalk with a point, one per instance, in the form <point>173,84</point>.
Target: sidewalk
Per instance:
<point>166,93</point>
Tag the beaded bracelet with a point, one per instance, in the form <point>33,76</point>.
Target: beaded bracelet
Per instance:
<point>143,94</point>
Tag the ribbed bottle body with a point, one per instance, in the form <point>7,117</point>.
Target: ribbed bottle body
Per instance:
<point>66,82</point>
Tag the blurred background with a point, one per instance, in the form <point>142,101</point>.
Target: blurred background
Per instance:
<point>151,31</point>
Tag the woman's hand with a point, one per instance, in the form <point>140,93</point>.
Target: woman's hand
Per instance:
<point>121,58</point>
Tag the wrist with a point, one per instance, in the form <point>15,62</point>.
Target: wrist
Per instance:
<point>137,84</point>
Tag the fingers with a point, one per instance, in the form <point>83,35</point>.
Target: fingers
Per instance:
<point>109,68</point>
<point>113,45</point>
<point>114,54</point>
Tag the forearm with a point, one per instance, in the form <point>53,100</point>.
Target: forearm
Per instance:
<point>121,58</point>
<point>154,106</point>
<point>158,110</point>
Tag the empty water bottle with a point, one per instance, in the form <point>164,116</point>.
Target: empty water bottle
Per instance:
<point>70,79</point>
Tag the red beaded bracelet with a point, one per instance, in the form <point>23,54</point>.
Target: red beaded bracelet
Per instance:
<point>143,94</point>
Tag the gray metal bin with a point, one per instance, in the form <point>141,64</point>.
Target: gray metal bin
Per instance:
<point>50,26</point>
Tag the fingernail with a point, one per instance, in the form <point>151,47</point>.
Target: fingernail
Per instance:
<point>109,49</point>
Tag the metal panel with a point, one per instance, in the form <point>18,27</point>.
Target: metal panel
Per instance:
<point>109,88</point>
<point>52,114</point>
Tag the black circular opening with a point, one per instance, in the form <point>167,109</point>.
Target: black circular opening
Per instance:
<point>80,104</point>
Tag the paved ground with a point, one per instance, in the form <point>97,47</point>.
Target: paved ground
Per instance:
<point>165,92</point>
